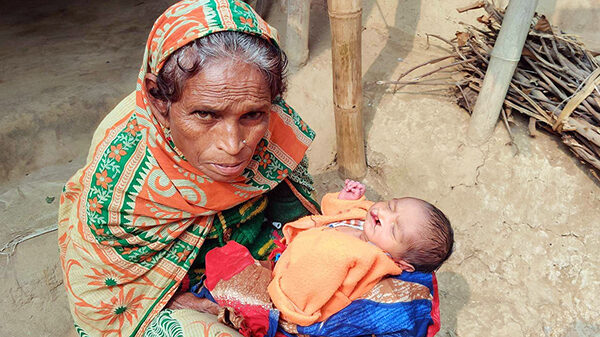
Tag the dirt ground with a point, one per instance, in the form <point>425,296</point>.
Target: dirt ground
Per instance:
<point>526,215</point>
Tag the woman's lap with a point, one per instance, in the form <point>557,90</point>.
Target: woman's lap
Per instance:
<point>188,323</point>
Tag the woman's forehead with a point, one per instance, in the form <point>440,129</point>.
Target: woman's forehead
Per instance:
<point>222,84</point>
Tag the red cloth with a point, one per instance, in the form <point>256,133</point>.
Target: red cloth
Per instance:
<point>237,281</point>
<point>435,310</point>
<point>225,262</point>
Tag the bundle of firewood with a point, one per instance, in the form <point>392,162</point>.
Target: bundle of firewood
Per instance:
<point>556,83</point>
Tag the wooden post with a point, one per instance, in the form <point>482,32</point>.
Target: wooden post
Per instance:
<point>503,62</point>
<point>296,40</point>
<point>345,18</point>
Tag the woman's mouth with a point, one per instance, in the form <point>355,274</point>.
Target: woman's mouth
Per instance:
<point>231,169</point>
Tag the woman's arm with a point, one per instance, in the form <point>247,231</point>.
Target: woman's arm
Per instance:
<point>187,300</point>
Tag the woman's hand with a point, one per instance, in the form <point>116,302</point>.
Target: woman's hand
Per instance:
<point>352,191</point>
<point>187,300</point>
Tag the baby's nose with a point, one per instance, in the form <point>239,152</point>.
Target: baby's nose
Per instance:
<point>374,211</point>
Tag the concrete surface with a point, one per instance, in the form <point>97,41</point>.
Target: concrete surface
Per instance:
<point>525,215</point>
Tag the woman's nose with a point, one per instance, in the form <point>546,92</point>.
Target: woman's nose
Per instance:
<point>232,140</point>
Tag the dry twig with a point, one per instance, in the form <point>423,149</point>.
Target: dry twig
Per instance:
<point>556,83</point>
<point>9,248</point>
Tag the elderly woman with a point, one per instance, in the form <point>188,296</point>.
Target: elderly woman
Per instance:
<point>204,151</point>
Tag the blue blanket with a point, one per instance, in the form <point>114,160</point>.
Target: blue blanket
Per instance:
<point>398,307</point>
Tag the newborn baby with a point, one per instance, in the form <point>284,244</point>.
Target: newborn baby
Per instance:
<point>413,232</point>
<point>334,258</point>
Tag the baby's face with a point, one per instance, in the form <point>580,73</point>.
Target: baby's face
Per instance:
<point>393,225</point>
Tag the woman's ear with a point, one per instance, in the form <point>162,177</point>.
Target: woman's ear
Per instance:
<point>405,265</point>
<point>159,107</point>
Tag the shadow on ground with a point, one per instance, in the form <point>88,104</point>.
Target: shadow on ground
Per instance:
<point>454,295</point>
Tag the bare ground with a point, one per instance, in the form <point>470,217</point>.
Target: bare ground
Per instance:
<point>525,215</point>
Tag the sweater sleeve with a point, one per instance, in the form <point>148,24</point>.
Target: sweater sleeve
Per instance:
<point>322,271</point>
<point>331,205</point>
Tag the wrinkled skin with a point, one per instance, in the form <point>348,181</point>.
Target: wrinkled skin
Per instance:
<point>187,300</point>
<point>222,115</point>
<point>220,118</point>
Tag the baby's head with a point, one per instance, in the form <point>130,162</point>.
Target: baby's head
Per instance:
<point>416,234</point>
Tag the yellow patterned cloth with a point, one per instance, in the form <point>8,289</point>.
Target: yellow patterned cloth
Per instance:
<point>186,322</point>
<point>133,219</point>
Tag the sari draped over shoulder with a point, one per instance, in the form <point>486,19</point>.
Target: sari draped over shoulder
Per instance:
<point>133,219</point>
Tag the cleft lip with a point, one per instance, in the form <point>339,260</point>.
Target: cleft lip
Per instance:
<point>374,217</point>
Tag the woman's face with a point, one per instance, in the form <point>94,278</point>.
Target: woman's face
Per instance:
<point>222,115</point>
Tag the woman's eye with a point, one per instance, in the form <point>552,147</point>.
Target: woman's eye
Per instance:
<point>204,114</point>
<point>254,115</point>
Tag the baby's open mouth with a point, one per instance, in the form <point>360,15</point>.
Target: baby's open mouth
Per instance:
<point>375,218</point>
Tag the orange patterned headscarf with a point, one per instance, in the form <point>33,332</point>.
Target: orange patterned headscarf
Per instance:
<point>132,221</point>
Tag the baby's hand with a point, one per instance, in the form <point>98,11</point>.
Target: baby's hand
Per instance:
<point>352,191</point>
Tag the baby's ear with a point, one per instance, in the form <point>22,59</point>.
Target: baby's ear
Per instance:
<point>405,265</point>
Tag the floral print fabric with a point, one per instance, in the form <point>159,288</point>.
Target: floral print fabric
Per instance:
<point>132,221</point>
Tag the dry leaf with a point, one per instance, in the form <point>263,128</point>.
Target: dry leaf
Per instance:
<point>511,120</point>
<point>466,98</point>
<point>459,76</point>
<point>509,117</point>
<point>462,38</point>
<point>526,91</point>
<point>543,25</point>
<point>474,86</point>
<point>528,53</point>
<point>533,132</point>
<point>485,19</point>
<point>478,4</point>
<point>594,174</point>
<point>471,96</point>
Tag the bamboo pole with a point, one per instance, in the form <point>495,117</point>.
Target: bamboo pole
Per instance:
<point>345,18</point>
<point>296,41</point>
<point>503,62</point>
